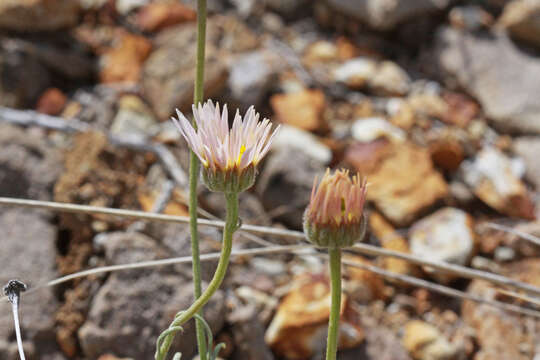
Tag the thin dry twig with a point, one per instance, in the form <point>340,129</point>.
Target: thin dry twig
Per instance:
<point>442,289</point>
<point>263,230</point>
<point>297,250</point>
<point>164,262</point>
<point>529,237</point>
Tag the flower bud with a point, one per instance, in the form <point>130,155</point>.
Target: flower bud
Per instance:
<point>335,216</point>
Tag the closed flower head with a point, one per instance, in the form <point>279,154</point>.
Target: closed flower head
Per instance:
<point>335,214</point>
<point>229,156</point>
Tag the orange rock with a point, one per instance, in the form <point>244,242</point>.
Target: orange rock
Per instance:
<point>461,109</point>
<point>428,105</point>
<point>303,109</point>
<point>346,50</point>
<point>363,285</point>
<point>298,330</point>
<point>320,52</point>
<point>402,115</point>
<point>391,240</point>
<point>123,62</point>
<point>51,102</point>
<point>173,207</point>
<point>447,154</point>
<point>500,334</point>
<point>424,341</point>
<point>402,180</point>
<point>366,157</point>
<point>159,15</point>
<point>495,182</point>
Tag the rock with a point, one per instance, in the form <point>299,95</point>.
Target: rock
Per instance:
<point>447,153</point>
<point>157,16</point>
<point>123,62</point>
<point>177,239</point>
<point>446,235</point>
<point>495,179</point>
<point>298,330</point>
<point>370,129</point>
<point>502,87</point>
<point>124,7</point>
<point>401,113</point>
<point>303,109</point>
<point>134,118</point>
<point>428,105</point>
<point>425,342</point>
<point>385,78</point>
<point>287,8</point>
<point>499,334</point>
<point>402,180</point>
<point>321,51</point>
<point>251,211</point>
<point>391,240</point>
<point>133,307</point>
<point>248,334</point>
<point>38,15</point>
<point>355,73</point>
<point>528,148</point>
<point>390,80</point>
<point>285,184</point>
<point>300,140</point>
<point>168,73</point>
<point>521,18</point>
<point>470,18</point>
<point>386,14</point>
<point>250,77</point>
<point>94,107</point>
<point>24,76</point>
<point>28,254</point>
<point>73,62</point>
<point>51,102</point>
<point>362,285</point>
<point>29,165</point>
<point>382,344</point>
<point>461,110</point>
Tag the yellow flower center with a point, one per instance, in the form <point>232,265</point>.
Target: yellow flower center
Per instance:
<point>242,150</point>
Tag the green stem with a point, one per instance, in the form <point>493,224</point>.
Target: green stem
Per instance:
<point>335,307</point>
<point>194,176</point>
<point>231,225</point>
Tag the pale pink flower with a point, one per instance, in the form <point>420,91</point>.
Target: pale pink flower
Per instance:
<point>220,148</point>
<point>335,214</point>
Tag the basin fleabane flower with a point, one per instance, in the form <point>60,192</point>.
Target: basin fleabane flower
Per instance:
<point>227,154</point>
<point>334,216</point>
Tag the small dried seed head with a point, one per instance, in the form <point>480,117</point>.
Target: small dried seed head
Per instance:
<point>335,216</point>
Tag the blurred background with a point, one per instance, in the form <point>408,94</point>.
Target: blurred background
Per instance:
<point>435,101</point>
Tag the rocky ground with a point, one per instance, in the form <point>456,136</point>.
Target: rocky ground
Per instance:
<point>435,101</point>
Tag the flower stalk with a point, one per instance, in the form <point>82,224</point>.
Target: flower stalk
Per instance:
<point>231,225</point>
<point>194,176</point>
<point>334,219</point>
<point>335,306</point>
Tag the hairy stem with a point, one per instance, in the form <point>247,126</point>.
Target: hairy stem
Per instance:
<point>335,307</point>
<point>194,176</point>
<point>231,225</point>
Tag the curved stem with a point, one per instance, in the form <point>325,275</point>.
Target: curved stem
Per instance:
<point>231,225</point>
<point>194,176</point>
<point>335,307</point>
